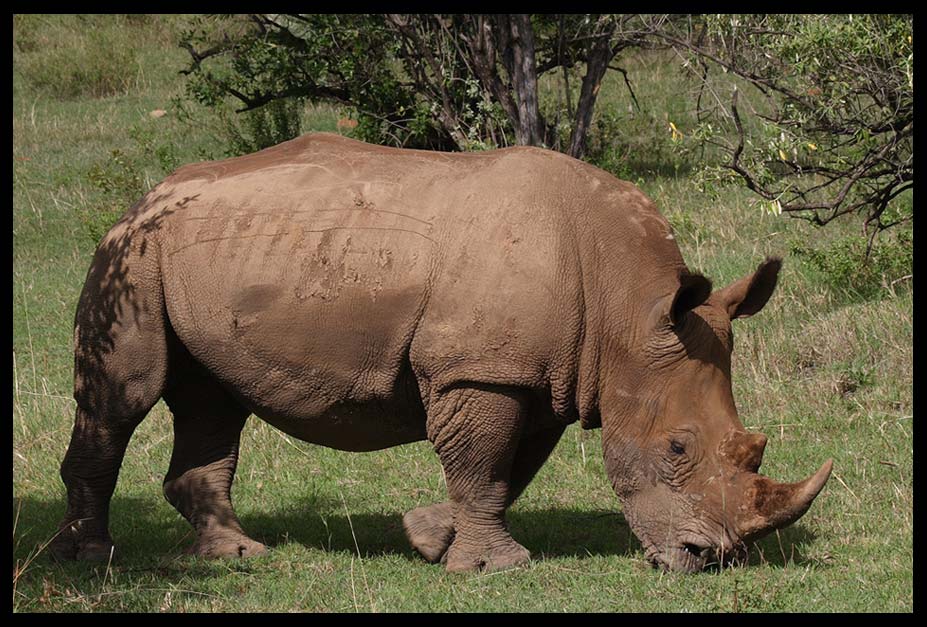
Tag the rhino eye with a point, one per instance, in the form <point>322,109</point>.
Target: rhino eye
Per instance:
<point>677,448</point>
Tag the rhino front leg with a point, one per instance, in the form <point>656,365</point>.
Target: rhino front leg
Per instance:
<point>207,430</point>
<point>475,432</point>
<point>430,529</point>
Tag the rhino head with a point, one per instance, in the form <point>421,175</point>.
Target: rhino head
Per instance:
<point>677,455</point>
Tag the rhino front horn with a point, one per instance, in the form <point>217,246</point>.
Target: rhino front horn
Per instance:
<point>769,505</point>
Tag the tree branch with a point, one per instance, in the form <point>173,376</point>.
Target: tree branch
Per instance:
<point>627,83</point>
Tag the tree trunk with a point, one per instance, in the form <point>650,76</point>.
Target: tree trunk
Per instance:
<point>482,52</point>
<point>516,38</point>
<point>525,80</point>
<point>596,65</point>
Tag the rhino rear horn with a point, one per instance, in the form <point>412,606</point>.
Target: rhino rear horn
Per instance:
<point>770,505</point>
<point>744,450</point>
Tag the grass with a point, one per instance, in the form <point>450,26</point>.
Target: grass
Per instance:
<point>823,375</point>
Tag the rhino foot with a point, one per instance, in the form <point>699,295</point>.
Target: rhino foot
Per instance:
<point>430,530</point>
<point>76,541</point>
<point>73,543</point>
<point>496,558</point>
<point>226,545</point>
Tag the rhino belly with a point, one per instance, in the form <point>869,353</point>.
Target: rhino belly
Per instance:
<point>351,425</point>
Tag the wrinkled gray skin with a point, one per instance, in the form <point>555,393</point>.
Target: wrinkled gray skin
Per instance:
<point>361,297</point>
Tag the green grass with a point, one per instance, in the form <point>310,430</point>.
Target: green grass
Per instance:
<point>823,375</point>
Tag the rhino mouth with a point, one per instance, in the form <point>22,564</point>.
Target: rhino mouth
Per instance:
<point>695,555</point>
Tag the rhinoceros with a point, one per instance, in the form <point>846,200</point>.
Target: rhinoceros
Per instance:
<point>360,297</point>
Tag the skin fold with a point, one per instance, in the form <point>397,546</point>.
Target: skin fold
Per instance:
<point>362,297</point>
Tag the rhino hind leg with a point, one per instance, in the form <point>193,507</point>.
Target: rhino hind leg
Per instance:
<point>89,471</point>
<point>207,430</point>
<point>430,529</point>
<point>120,368</point>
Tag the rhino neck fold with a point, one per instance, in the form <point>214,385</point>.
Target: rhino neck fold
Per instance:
<point>618,297</point>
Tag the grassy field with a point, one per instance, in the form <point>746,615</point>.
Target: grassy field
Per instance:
<point>823,372</point>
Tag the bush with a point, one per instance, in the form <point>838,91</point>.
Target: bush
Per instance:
<point>848,270</point>
<point>119,180</point>
<point>824,127</point>
<point>635,146</point>
<point>166,153</point>
<point>275,122</point>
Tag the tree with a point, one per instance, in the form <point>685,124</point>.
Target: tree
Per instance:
<point>450,82</point>
<point>814,113</point>
<point>820,122</point>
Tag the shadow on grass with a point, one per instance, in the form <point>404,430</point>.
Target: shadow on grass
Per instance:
<point>785,549</point>
<point>551,533</point>
<point>150,535</point>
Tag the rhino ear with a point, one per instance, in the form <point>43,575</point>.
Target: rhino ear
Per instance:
<point>694,289</point>
<point>749,295</point>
